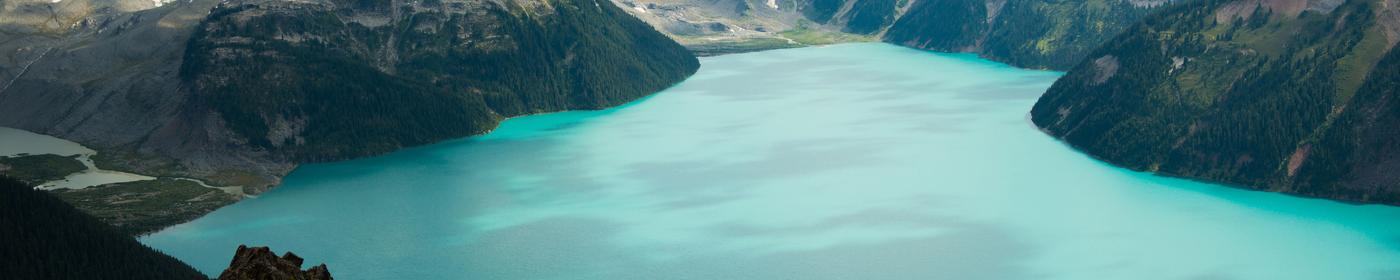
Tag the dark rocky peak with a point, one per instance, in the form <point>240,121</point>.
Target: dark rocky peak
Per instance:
<point>261,264</point>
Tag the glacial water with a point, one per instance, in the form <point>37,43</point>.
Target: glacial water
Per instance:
<point>857,161</point>
<point>17,142</point>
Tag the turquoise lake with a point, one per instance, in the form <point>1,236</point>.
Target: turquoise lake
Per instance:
<point>855,161</point>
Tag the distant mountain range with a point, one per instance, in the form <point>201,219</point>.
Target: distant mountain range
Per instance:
<point>1033,33</point>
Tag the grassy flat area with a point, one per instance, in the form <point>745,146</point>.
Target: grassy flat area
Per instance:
<point>795,38</point>
<point>740,46</point>
<point>146,206</point>
<point>813,37</point>
<point>39,169</point>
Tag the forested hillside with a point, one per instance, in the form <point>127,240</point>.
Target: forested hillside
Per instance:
<point>327,81</point>
<point>43,238</point>
<point>1358,155</point>
<point>1275,95</point>
<point>239,92</point>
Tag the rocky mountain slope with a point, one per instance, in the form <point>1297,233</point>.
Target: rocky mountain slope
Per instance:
<point>239,92</point>
<point>1291,96</point>
<point>712,27</point>
<point>699,21</point>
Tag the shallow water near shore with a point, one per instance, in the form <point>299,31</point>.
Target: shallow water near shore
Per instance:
<point>855,161</point>
<point>15,142</point>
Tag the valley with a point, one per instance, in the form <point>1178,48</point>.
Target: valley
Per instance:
<point>135,204</point>
<point>812,171</point>
<point>235,94</point>
<point>203,105</point>
<point>711,139</point>
<point>1030,34</point>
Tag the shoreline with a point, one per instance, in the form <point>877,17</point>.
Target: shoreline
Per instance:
<point>238,190</point>
<point>75,181</point>
<point>113,195</point>
<point>493,128</point>
<point>1219,183</point>
<point>243,194</point>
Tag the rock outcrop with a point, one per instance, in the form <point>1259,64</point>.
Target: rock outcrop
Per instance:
<point>259,263</point>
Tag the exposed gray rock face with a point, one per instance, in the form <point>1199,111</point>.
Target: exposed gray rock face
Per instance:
<point>699,23</point>
<point>104,73</point>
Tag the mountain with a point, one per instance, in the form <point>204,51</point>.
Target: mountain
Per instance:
<point>1289,96</point>
<point>334,80</point>
<point>1030,34</point>
<point>713,27</point>
<point>239,92</point>
<point>1046,34</point>
<point>854,16</point>
<point>45,238</point>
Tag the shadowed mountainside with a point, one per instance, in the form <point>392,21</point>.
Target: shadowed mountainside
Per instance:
<point>239,92</point>
<point>1041,34</point>
<point>41,237</point>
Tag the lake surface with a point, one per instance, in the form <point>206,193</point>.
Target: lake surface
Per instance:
<point>15,142</point>
<point>857,161</point>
